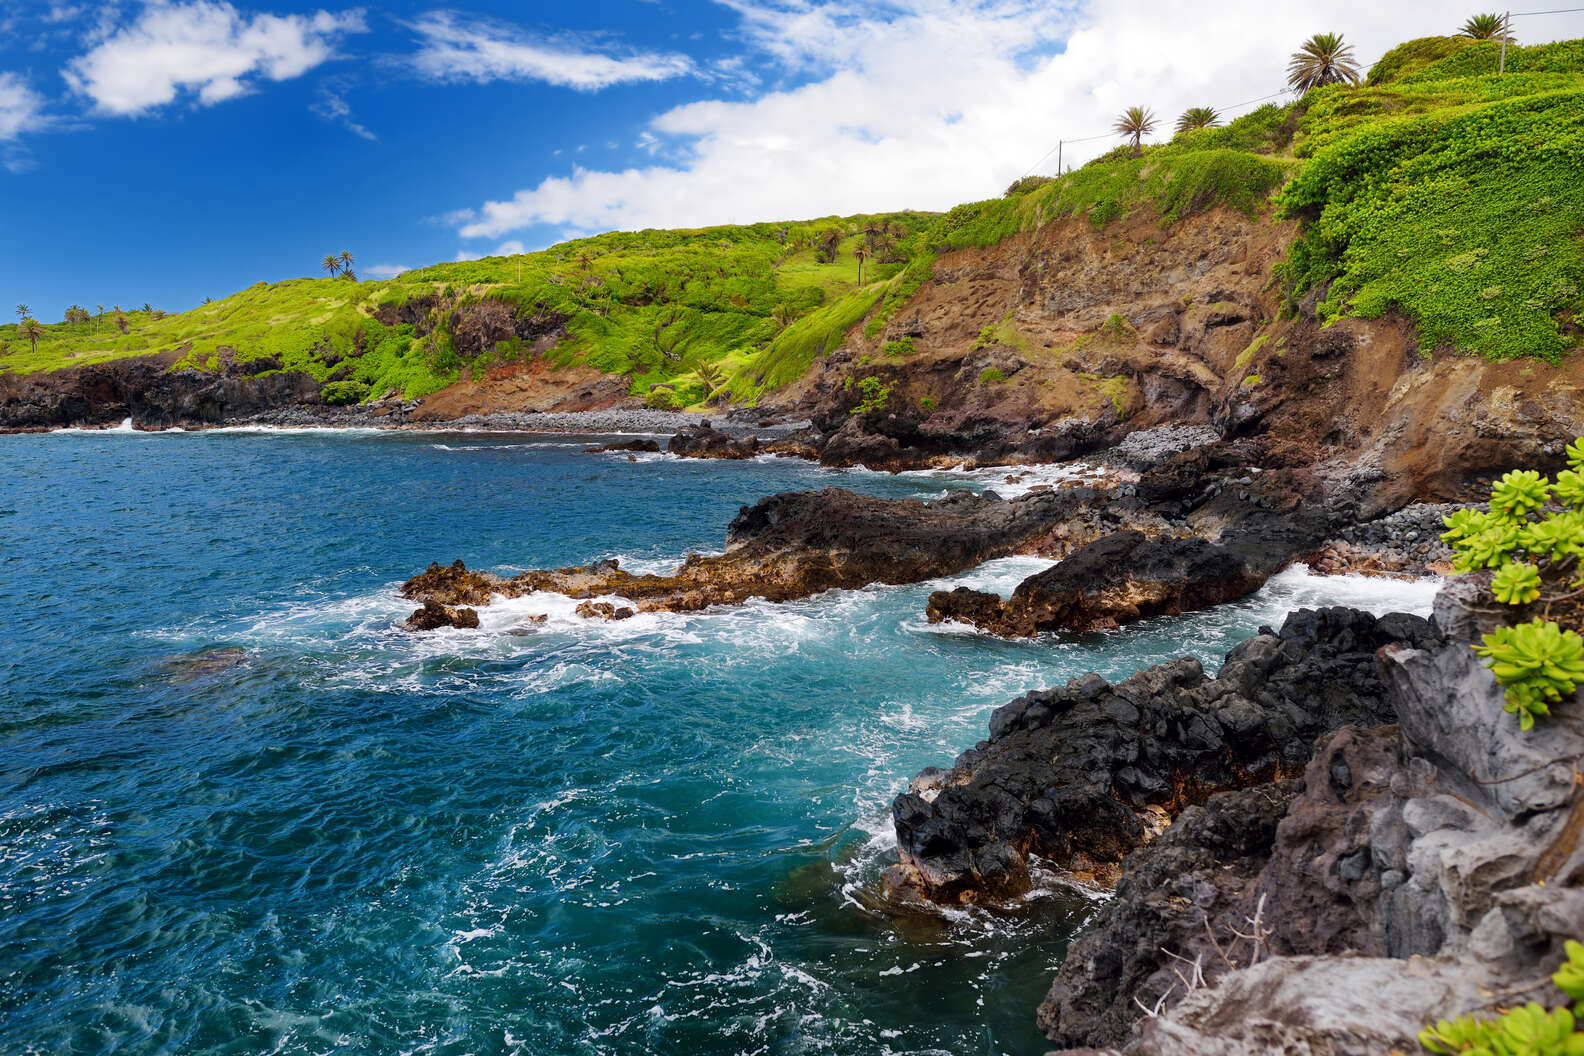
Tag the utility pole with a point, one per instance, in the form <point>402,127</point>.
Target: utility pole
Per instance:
<point>1506,32</point>
<point>1058,157</point>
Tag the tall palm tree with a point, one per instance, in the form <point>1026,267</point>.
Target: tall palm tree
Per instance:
<point>1135,123</point>
<point>330,264</point>
<point>23,311</point>
<point>99,318</point>
<point>1485,27</point>
<point>1323,59</point>
<point>346,262</point>
<point>861,251</point>
<point>77,314</point>
<point>1198,117</point>
<point>30,329</point>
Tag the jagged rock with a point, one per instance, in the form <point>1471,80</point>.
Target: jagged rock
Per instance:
<point>1128,576</point>
<point>705,441</point>
<point>1445,847</point>
<point>434,615</point>
<point>651,446</point>
<point>1073,774</point>
<point>452,584</point>
<point>604,610</point>
<point>797,544</point>
<point>1317,1006</point>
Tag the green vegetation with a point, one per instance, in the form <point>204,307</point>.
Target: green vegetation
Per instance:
<point>1196,117</point>
<point>749,306</point>
<point>900,347</point>
<point>1436,189</point>
<point>873,394</point>
<point>1536,556</point>
<point>1529,1030</point>
<point>1135,123</point>
<point>1324,59</point>
<point>927,404</point>
<point>991,376</point>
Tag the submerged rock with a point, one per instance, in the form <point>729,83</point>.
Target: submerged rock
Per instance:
<point>434,615</point>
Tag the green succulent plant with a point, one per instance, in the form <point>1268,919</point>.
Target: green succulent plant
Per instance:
<point>1538,662</point>
<point>1575,454</point>
<point>1519,493</point>
<point>1463,1035</point>
<point>1570,977</point>
<point>1489,548</point>
<point>1532,1031</point>
<point>1569,489</point>
<point>1516,584</point>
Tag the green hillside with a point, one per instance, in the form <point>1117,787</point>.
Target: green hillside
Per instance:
<point>1435,188</point>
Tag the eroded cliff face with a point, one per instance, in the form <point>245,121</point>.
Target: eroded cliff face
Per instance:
<point>1057,342</point>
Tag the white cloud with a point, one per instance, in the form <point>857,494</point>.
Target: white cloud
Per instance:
<point>510,248</point>
<point>204,47</point>
<point>458,48</point>
<point>20,107</point>
<point>928,103</point>
<point>334,108</point>
<point>385,271</point>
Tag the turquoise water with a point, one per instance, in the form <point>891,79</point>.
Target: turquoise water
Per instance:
<point>241,811</point>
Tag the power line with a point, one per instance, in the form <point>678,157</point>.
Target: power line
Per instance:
<point>1558,11</point>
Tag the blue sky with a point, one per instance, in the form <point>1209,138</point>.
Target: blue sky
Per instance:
<point>164,152</point>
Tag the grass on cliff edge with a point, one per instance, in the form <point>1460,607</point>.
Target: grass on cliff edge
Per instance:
<point>1437,188</point>
<point>668,309</point>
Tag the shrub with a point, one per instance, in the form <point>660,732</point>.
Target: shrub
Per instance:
<point>901,347</point>
<point>990,375</point>
<point>664,399</point>
<point>873,395</point>
<point>338,393</point>
<point>927,404</point>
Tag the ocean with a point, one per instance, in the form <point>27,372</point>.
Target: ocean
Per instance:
<point>243,811</point>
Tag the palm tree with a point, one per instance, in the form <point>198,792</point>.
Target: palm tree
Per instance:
<point>99,318</point>
<point>330,264</point>
<point>1198,117</point>
<point>77,314</point>
<point>1135,123</point>
<point>860,251</point>
<point>30,329</point>
<point>148,309</point>
<point>1485,27</point>
<point>346,262</point>
<point>1323,59</point>
<point>23,311</point>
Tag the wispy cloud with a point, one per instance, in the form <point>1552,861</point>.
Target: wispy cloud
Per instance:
<point>456,47</point>
<point>333,107</point>
<point>21,108</point>
<point>385,271</point>
<point>927,103</point>
<point>205,49</point>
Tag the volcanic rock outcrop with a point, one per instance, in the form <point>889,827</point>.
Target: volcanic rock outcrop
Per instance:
<point>1080,775</point>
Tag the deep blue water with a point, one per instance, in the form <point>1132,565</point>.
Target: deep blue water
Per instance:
<point>659,835</point>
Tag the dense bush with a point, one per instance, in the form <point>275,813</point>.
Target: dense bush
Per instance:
<point>1528,1030</point>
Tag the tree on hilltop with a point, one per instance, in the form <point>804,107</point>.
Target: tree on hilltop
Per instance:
<point>331,265</point>
<point>1135,123</point>
<point>1198,117</point>
<point>30,329</point>
<point>23,311</point>
<point>1486,27</point>
<point>1323,59</point>
<point>77,314</point>
<point>346,262</point>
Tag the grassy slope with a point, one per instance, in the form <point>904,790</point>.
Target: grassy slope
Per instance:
<point>683,309</point>
<point>1437,189</point>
